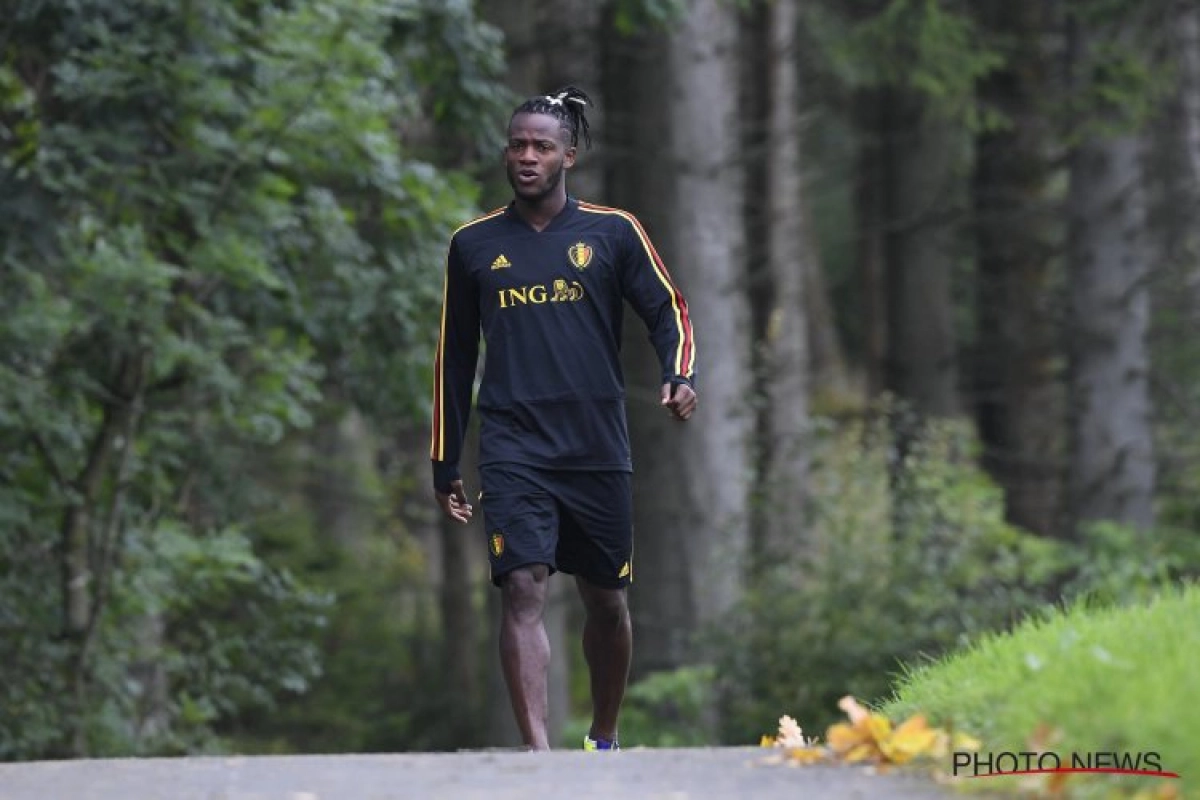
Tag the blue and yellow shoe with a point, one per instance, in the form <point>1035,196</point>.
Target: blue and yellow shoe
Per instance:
<point>599,744</point>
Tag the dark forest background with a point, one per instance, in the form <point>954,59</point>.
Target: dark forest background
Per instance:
<point>942,261</point>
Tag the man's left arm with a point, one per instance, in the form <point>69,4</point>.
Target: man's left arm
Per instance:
<point>649,288</point>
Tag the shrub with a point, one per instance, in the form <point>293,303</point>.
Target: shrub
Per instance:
<point>903,554</point>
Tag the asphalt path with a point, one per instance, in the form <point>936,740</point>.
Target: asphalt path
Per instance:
<point>639,774</point>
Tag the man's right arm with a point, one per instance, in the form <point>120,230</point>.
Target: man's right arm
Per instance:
<point>454,375</point>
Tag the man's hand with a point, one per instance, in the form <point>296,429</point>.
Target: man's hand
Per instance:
<point>455,505</point>
<point>679,399</point>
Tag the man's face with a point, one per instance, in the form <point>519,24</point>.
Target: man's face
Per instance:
<point>536,155</point>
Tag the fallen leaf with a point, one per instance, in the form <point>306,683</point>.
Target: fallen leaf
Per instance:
<point>853,710</point>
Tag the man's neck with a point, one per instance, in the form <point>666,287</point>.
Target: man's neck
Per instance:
<point>539,213</point>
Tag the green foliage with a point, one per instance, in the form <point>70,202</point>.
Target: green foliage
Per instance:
<point>631,16</point>
<point>1118,80</point>
<point>931,47</point>
<point>1114,564</point>
<point>198,627</point>
<point>208,618</point>
<point>209,231</point>
<point>900,560</point>
<point>382,686</point>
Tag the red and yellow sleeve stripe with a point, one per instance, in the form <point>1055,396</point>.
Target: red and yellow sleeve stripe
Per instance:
<point>437,446</point>
<point>437,449</point>
<point>685,351</point>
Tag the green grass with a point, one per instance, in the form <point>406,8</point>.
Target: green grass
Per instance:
<point>1108,679</point>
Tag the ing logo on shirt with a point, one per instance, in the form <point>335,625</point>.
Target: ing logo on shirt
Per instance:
<point>560,291</point>
<point>580,255</point>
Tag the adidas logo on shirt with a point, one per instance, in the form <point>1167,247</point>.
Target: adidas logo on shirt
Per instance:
<point>501,262</point>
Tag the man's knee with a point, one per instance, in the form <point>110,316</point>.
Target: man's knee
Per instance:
<point>604,606</point>
<point>523,592</point>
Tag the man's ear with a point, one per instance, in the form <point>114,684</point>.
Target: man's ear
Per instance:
<point>569,157</point>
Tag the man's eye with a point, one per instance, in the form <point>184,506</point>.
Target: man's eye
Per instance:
<point>544,147</point>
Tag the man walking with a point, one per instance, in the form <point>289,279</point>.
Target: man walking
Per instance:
<point>545,280</point>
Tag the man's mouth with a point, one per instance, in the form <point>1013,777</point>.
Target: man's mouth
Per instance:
<point>527,176</point>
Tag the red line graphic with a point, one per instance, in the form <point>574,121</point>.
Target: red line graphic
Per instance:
<point>1060,770</point>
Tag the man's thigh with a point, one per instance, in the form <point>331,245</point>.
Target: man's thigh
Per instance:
<point>520,517</point>
<point>596,530</point>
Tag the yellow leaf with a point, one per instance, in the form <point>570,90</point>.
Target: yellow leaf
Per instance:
<point>879,727</point>
<point>806,755</point>
<point>863,752</point>
<point>868,737</point>
<point>913,724</point>
<point>841,737</point>
<point>911,740</point>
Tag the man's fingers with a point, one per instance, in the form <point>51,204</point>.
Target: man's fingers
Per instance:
<point>679,399</point>
<point>455,505</point>
<point>458,513</point>
<point>460,509</point>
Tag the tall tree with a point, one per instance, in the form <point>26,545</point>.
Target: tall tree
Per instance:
<point>1173,168</point>
<point>690,480</point>
<point>872,125</point>
<point>1111,460</point>
<point>923,196</point>
<point>782,242</point>
<point>1186,49</point>
<point>1018,385</point>
<point>910,68</point>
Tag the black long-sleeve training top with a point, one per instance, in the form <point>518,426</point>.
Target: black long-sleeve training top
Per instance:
<point>549,305</point>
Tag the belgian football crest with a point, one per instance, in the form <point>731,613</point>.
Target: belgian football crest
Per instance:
<point>497,543</point>
<point>580,255</point>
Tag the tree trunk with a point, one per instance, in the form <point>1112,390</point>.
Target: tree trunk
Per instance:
<point>830,383</point>
<point>921,155</point>
<point>871,191</point>
<point>89,538</point>
<point>1174,192</point>
<point>1187,53</point>
<point>635,83</point>
<point>690,495</point>
<point>1019,394</point>
<point>1176,171</point>
<point>1111,466</point>
<point>341,466</point>
<point>463,569</point>
<point>790,259</point>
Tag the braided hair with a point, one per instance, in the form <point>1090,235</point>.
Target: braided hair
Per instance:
<point>566,105</point>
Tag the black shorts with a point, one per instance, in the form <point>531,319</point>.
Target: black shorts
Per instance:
<point>580,523</point>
